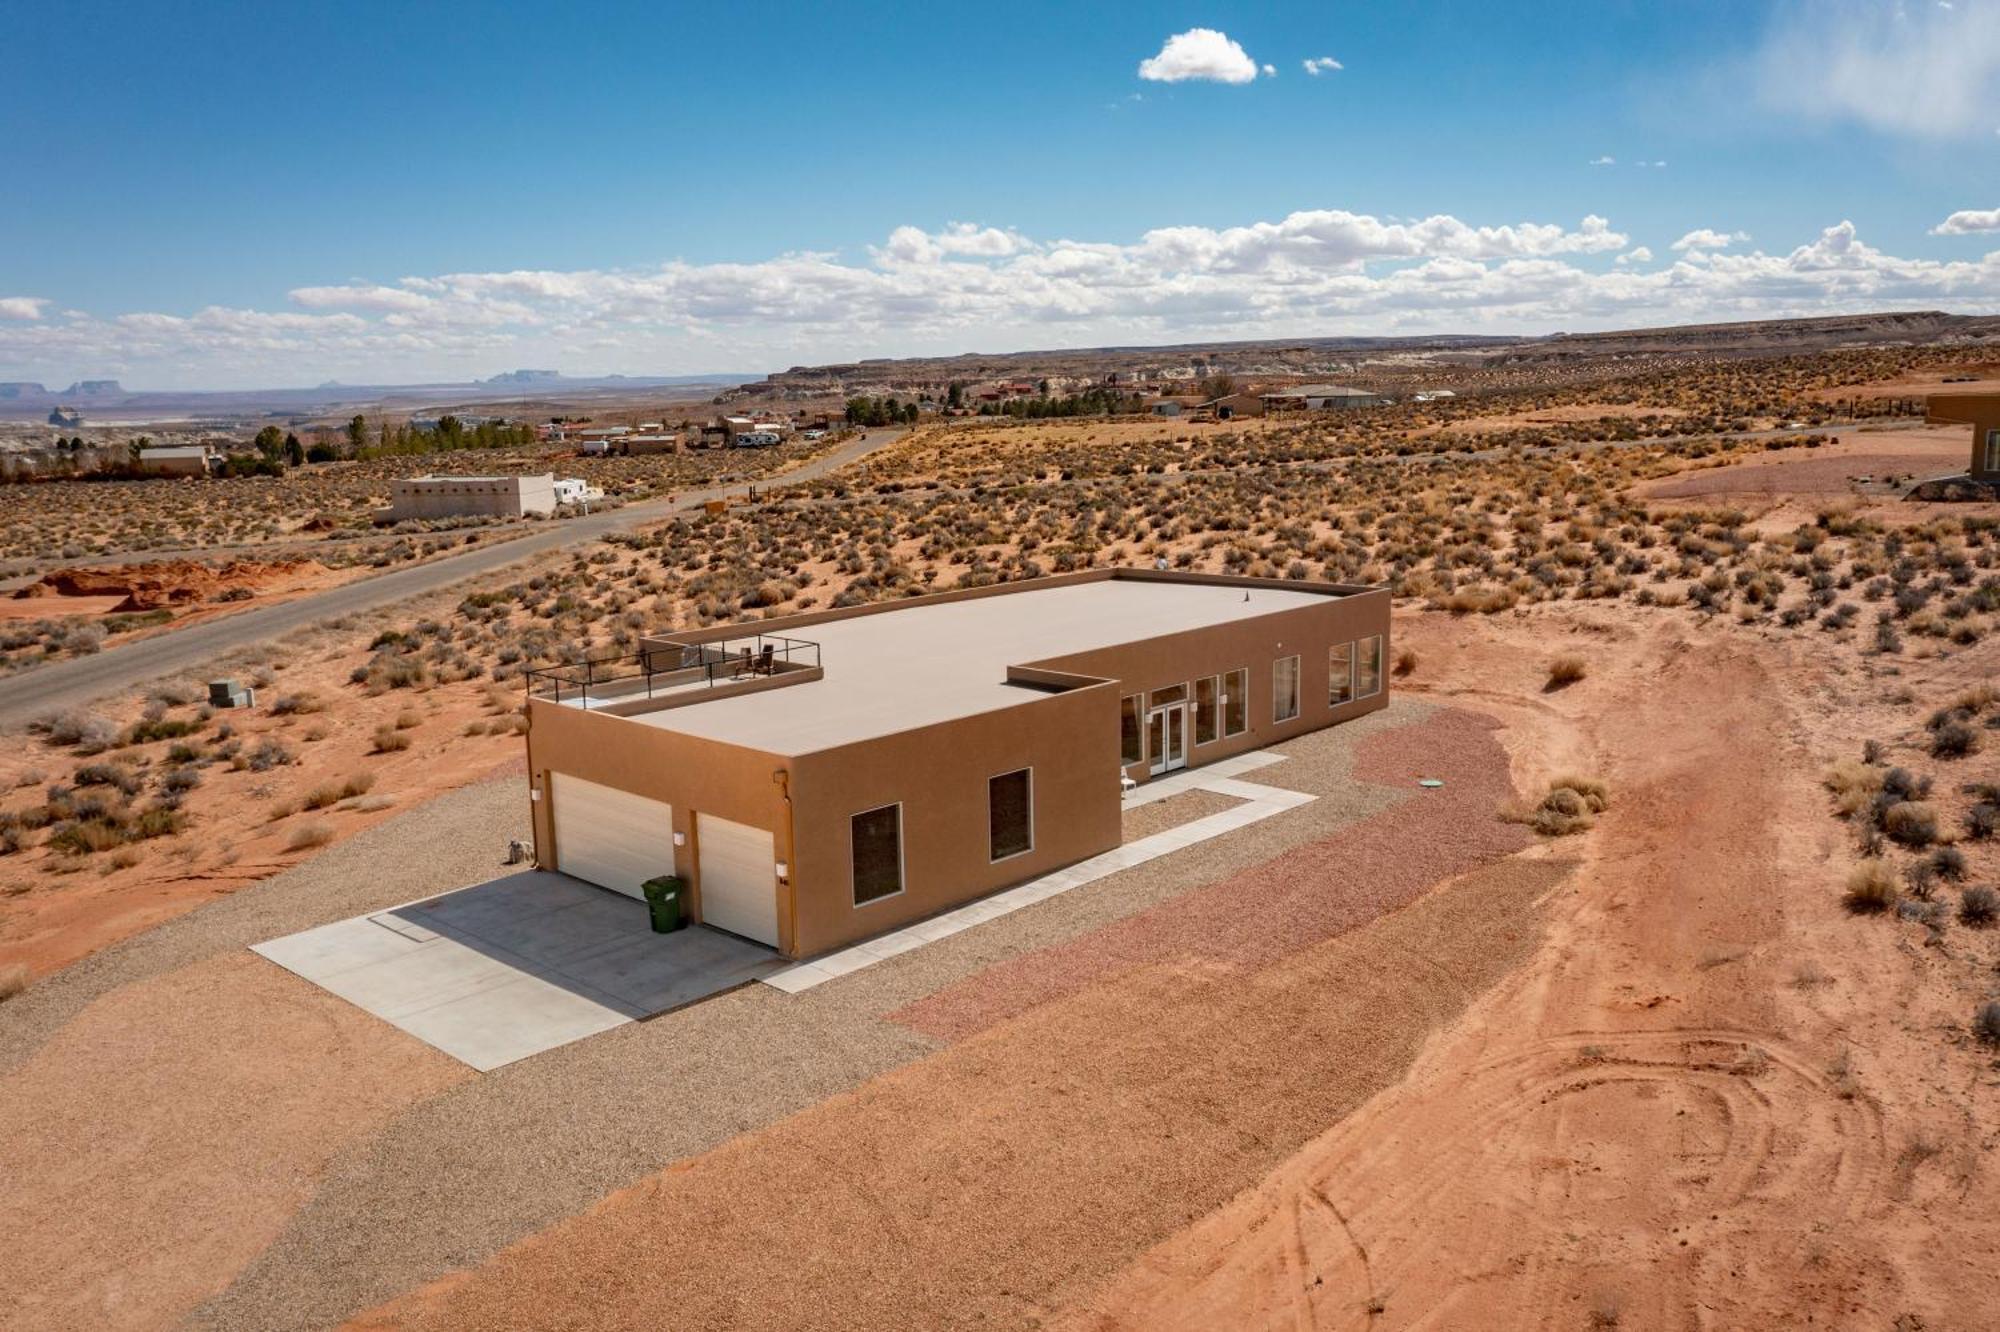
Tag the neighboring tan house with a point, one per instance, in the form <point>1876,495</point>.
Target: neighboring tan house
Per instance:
<point>176,460</point>
<point>634,446</point>
<point>818,779</point>
<point>1320,397</point>
<point>1982,412</point>
<point>469,496</point>
<point>1233,405</point>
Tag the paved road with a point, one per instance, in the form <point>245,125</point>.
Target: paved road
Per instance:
<point>79,680</point>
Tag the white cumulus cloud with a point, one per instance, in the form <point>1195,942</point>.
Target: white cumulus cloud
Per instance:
<point>969,284</point>
<point>1968,222</point>
<point>1199,53</point>
<point>1606,160</point>
<point>1318,65</point>
<point>21,307</point>
<point>1708,238</point>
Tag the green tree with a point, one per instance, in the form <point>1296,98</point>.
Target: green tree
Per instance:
<point>357,434</point>
<point>269,441</point>
<point>295,452</point>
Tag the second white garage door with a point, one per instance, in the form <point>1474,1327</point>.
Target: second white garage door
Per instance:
<point>739,878</point>
<point>610,837</point>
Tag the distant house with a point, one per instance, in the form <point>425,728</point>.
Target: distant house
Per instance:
<point>1233,405</point>
<point>1981,411</point>
<point>738,426</point>
<point>1320,397</point>
<point>633,446</point>
<point>469,496</point>
<point>176,460</point>
<point>65,416</point>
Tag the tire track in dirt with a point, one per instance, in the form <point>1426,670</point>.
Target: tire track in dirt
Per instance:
<point>1618,1131</point>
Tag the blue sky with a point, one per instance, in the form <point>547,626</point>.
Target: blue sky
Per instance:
<point>236,195</point>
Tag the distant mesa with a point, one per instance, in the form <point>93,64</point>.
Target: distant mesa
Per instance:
<point>526,377</point>
<point>22,388</point>
<point>94,388</point>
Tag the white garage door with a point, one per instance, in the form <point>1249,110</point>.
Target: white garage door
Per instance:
<point>739,878</point>
<point>611,837</point>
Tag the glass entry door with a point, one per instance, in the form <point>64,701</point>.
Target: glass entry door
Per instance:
<point>1166,738</point>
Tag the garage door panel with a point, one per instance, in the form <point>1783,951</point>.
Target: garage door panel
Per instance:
<point>739,878</point>
<point>610,837</point>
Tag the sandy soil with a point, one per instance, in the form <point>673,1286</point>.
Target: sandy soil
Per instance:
<point>213,1159</point>
<point>243,825</point>
<point>1825,471</point>
<point>1564,414</point>
<point>1659,1122</point>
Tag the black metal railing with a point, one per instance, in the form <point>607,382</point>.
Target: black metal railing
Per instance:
<point>670,668</point>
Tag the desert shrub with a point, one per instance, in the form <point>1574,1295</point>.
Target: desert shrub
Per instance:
<point>322,796</point>
<point>1981,821</point>
<point>1911,822</point>
<point>389,740</point>
<point>1853,784</point>
<point>150,729</point>
<point>1406,661</point>
<point>1906,785</point>
<point>1922,877</point>
<point>1986,1022</point>
<point>309,835</point>
<point>1978,906</point>
<point>115,775</point>
<point>408,719</point>
<point>88,731</point>
<point>179,780</point>
<point>297,704</point>
<point>1954,739</point>
<point>159,821</point>
<point>1571,805</point>
<point>13,980</point>
<point>1871,887</point>
<point>1566,671</point>
<point>270,753</point>
<point>360,783</point>
<point>1949,862</point>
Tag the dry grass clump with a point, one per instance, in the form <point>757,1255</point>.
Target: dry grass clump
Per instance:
<point>1853,784</point>
<point>1406,662</point>
<point>389,740</point>
<point>1978,906</point>
<point>1571,805</point>
<point>309,835</point>
<point>1871,887</point>
<point>1565,671</point>
<point>1912,823</point>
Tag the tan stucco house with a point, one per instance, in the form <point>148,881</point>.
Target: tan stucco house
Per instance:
<point>1982,412</point>
<point>821,778</point>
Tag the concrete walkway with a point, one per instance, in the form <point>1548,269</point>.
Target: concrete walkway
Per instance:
<point>1259,802</point>
<point>507,969</point>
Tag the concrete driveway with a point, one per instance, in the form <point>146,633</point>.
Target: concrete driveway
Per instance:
<point>503,970</point>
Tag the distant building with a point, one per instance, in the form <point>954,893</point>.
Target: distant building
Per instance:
<point>1320,397</point>
<point>65,416</point>
<point>469,496</point>
<point>633,446</point>
<point>1233,405</point>
<point>176,460</point>
<point>754,439</point>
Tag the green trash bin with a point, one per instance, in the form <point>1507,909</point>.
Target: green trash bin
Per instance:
<point>666,898</point>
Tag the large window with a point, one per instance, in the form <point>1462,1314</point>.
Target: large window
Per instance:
<point>1368,667</point>
<point>1131,744</point>
<point>1010,813</point>
<point>1340,674</point>
<point>1993,450</point>
<point>878,853</point>
<point>1236,702</point>
<point>1284,689</point>
<point>1207,709</point>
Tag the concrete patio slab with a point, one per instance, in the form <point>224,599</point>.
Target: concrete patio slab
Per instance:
<point>503,970</point>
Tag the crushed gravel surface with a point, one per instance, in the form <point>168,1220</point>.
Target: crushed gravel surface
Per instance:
<point>1156,816</point>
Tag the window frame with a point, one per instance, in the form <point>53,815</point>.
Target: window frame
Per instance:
<point>902,869</point>
<point>1029,849</point>
<point>1278,719</point>
<point>1137,704</point>
<point>1228,694</point>
<point>1210,711</point>
<point>1381,653</point>
<point>1992,451</point>
<point>1336,698</point>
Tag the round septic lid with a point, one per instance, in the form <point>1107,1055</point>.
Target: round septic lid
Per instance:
<point>1431,781</point>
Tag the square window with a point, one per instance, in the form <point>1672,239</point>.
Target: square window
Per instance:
<point>1010,813</point>
<point>877,836</point>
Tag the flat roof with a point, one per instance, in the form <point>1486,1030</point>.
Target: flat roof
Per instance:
<point>919,665</point>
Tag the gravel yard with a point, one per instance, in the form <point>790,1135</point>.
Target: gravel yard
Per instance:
<point>1157,816</point>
